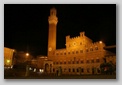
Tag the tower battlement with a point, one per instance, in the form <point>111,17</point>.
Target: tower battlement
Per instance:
<point>82,34</point>
<point>52,19</point>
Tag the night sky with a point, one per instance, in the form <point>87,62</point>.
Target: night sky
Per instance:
<point>26,26</point>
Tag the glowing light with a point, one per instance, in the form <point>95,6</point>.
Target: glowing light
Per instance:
<point>34,70</point>
<point>30,68</point>
<point>100,42</point>
<point>27,54</point>
<point>41,70</point>
<point>11,67</point>
<point>8,61</point>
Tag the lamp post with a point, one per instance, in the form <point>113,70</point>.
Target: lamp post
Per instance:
<point>27,66</point>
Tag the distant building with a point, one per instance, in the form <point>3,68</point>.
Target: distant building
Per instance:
<point>8,57</point>
<point>81,55</point>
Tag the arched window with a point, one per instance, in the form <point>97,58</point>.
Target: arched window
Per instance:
<point>73,62</point>
<point>76,52</point>
<point>81,61</point>
<point>80,43</point>
<point>73,52</point>
<point>73,70</point>
<point>87,61</point>
<point>87,50</point>
<point>81,51</point>
<point>96,48</point>
<point>77,69</point>
<point>97,60</point>
<point>53,69</point>
<point>65,62</point>
<point>91,49</point>
<point>77,62</point>
<point>82,70</point>
<point>88,70</point>
<point>69,70</point>
<point>64,53</point>
<point>60,62</point>
<point>92,61</point>
<point>69,62</point>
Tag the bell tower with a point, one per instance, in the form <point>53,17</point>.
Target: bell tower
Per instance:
<point>52,19</point>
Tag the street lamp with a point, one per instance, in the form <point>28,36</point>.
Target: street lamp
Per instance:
<point>27,54</point>
<point>100,42</point>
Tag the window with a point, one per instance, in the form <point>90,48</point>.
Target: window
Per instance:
<point>88,70</point>
<point>69,70</point>
<point>87,61</point>
<point>77,70</point>
<point>92,61</point>
<point>73,62</point>
<point>76,51</point>
<point>98,70</point>
<point>73,52</point>
<point>60,62</point>
<point>81,61</point>
<point>87,50</point>
<point>81,51</point>
<point>97,60</point>
<point>82,70</point>
<point>64,53</point>
<point>96,48</point>
<point>91,49</point>
<point>68,52</point>
<point>74,58</point>
<point>54,63</point>
<point>64,69</point>
<point>73,70</point>
<point>64,62</point>
<point>61,53</point>
<point>56,53</point>
<point>80,43</point>
<point>53,70</point>
<point>77,62</point>
<point>69,62</point>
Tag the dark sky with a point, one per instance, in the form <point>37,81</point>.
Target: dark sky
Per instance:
<point>26,26</point>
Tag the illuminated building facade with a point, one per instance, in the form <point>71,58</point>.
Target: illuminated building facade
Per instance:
<point>81,55</point>
<point>8,57</point>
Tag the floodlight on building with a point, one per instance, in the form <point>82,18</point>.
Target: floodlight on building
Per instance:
<point>100,42</point>
<point>27,54</point>
<point>13,50</point>
<point>8,61</point>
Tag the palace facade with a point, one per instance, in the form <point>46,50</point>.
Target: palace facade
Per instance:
<point>81,55</point>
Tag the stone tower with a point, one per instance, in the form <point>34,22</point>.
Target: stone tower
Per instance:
<point>52,19</point>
